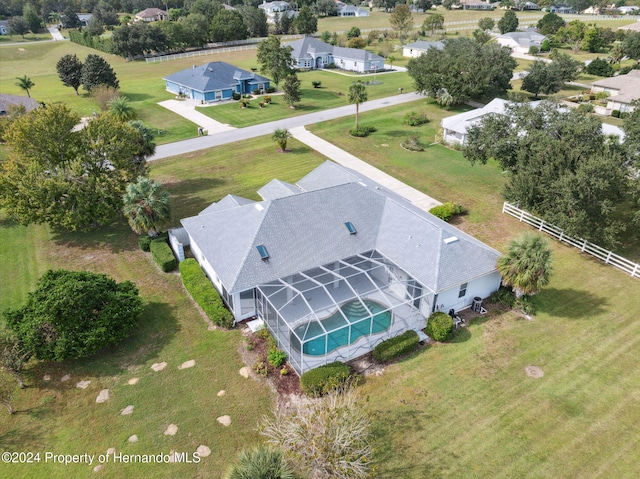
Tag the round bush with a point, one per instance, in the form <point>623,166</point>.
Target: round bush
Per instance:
<point>324,379</point>
<point>74,314</point>
<point>439,326</point>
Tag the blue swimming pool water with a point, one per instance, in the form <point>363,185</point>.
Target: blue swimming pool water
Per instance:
<point>360,324</point>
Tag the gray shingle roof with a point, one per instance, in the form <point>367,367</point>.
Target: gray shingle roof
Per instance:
<point>6,101</point>
<point>424,45</point>
<point>307,229</point>
<point>302,47</point>
<point>229,201</point>
<point>277,189</point>
<point>212,76</point>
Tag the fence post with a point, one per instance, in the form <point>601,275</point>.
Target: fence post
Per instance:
<point>541,225</point>
<point>608,258</point>
<point>521,214</point>
<point>584,245</point>
<point>635,270</point>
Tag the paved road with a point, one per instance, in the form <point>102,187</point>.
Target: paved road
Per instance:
<point>231,136</point>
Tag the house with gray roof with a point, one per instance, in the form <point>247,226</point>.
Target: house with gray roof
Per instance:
<point>415,49</point>
<point>521,42</point>
<point>622,89</point>
<point>214,81</point>
<point>151,15</point>
<point>16,101</point>
<point>277,9</point>
<point>310,53</point>
<point>336,263</point>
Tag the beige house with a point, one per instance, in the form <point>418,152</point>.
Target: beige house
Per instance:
<point>151,15</point>
<point>622,90</point>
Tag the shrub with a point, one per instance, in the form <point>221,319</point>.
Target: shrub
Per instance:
<point>322,380</point>
<point>585,108</point>
<point>236,96</point>
<point>362,131</point>
<point>267,99</point>
<point>600,67</point>
<point>624,114</point>
<point>447,210</point>
<point>615,113</point>
<point>260,368</point>
<point>524,303</point>
<point>357,42</point>
<point>244,103</point>
<point>504,297</point>
<point>316,84</point>
<point>261,104</point>
<point>162,254</point>
<point>412,144</point>
<point>534,50</point>
<point>144,242</point>
<point>439,326</point>
<point>415,119</point>
<point>276,357</point>
<point>271,89</point>
<point>203,293</point>
<point>396,347</point>
<point>545,46</point>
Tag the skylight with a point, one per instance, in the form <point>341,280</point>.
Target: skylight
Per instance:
<point>263,251</point>
<point>352,229</point>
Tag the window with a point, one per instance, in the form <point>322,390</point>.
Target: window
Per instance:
<point>351,228</point>
<point>263,252</point>
<point>463,290</point>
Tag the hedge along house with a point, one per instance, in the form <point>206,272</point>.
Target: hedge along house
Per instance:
<point>336,264</point>
<point>214,81</point>
<point>310,53</point>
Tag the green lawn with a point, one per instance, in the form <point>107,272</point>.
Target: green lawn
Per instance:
<point>466,409</point>
<point>58,417</point>
<point>333,93</point>
<point>28,38</point>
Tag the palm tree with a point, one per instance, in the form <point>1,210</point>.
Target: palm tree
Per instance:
<point>444,98</point>
<point>25,83</point>
<point>146,206</point>
<point>281,136</point>
<point>260,463</point>
<point>357,95</point>
<point>121,109</point>
<point>526,266</point>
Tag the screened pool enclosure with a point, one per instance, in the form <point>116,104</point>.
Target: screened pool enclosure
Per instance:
<point>341,310</point>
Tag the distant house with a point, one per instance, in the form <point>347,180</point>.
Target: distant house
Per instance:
<point>309,53</point>
<point>336,264</point>
<point>151,15</point>
<point>628,10</point>
<point>561,8</point>
<point>416,49</point>
<point>521,42</point>
<point>7,101</point>
<point>345,10</point>
<point>84,18</point>
<point>4,27</point>
<point>622,89</point>
<point>455,127</point>
<point>530,6</point>
<point>277,8</point>
<point>214,81</point>
<point>475,5</point>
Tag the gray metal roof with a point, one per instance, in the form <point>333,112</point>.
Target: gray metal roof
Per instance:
<point>307,229</point>
<point>213,76</point>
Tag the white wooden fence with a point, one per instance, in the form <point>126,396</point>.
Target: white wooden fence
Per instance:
<point>583,245</point>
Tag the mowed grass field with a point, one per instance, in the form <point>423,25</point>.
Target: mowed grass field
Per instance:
<point>57,417</point>
<point>466,409</point>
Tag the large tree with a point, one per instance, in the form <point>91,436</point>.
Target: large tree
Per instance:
<point>549,78</point>
<point>96,71</point>
<point>130,41</point>
<point>401,19</point>
<point>357,95</point>
<point>291,89</point>
<point>526,266</point>
<point>227,26</point>
<point>68,179</point>
<point>31,16</point>
<point>432,23</point>
<point>572,34</point>
<point>74,314</point>
<point>486,24</point>
<point>465,68</point>
<point>146,206</point>
<point>560,166</point>
<point>256,21</point>
<point>69,69</point>
<point>306,22</point>
<point>631,129</point>
<point>509,22</point>
<point>631,45</point>
<point>275,60</point>
<point>70,18</point>
<point>550,23</point>
<point>18,26</point>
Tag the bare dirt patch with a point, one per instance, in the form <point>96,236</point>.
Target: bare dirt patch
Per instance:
<point>534,372</point>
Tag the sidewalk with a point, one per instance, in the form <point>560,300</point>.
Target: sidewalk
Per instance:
<point>187,109</point>
<point>340,156</point>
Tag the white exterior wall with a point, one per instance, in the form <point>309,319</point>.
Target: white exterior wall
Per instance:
<point>482,287</point>
<point>412,52</point>
<point>453,137</point>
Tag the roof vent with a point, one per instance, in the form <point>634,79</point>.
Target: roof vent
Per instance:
<point>450,239</point>
<point>263,252</point>
<point>352,229</point>
<point>259,207</point>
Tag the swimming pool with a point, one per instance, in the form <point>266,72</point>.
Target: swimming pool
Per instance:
<point>339,330</point>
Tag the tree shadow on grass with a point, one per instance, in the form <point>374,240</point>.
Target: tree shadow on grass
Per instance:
<point>189,197</point>
<point>117,237</point>
<point>570,303</point>
<point>137,96</point>
<point>156,328</point>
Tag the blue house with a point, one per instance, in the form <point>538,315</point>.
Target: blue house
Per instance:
<point>214,81</point>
